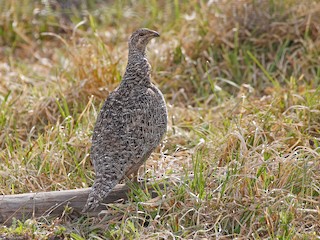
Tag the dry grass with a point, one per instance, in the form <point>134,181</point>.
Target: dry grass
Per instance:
<point>241,81</point>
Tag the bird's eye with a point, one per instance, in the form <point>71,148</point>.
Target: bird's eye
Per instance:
<point>141,34</point>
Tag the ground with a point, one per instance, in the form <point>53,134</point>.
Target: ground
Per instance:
<point>241,157</point>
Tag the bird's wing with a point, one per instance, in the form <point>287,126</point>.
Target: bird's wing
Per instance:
<point>132,124</point>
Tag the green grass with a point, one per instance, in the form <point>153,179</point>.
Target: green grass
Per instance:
<point>241,79</point>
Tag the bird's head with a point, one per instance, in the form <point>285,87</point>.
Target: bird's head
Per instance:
<point>140,38</point>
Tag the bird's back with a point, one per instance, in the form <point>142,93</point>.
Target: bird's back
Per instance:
<point>129,127</point>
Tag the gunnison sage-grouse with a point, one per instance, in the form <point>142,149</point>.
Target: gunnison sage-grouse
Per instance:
<point>131,123</point>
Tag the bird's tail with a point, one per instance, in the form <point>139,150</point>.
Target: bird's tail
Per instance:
<point>100,190</point>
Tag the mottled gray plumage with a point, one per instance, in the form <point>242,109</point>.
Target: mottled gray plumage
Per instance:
<point>130,125</point>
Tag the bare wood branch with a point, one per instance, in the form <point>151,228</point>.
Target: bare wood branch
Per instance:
<point>30,205</point>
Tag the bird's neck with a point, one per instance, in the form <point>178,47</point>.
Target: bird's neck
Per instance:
<point>138,70</point>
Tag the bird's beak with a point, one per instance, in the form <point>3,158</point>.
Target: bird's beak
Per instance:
<point>154,34</point>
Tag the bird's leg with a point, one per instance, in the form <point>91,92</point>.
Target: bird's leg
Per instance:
<point>132,177</point>
<point>135,177</point>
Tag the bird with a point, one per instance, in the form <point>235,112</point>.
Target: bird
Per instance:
<point>131,124</point>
